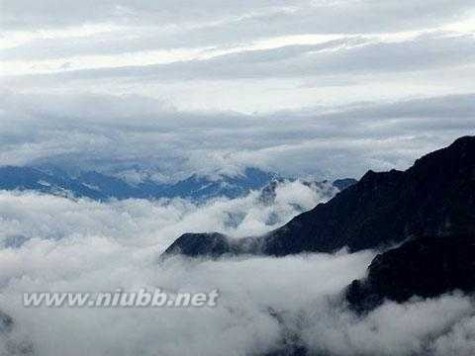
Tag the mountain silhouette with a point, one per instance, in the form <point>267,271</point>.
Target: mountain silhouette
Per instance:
<point>425,267</point>
<point>435,197</point>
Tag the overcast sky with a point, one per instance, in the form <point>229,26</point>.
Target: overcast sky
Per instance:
<point>326,87</point>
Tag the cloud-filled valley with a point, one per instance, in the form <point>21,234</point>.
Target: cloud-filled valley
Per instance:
<point>89,246</point>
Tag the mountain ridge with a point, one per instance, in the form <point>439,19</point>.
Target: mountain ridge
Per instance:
<point>436,196</point>
<point>98,186</point>
<point>425,267</point>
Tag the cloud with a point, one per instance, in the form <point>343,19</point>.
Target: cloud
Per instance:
<point>89,246</point>
<point>141,222</point>
<point>239,56</point>
<point>353,55</point>
<point>237,18</point>
<point>411,328</point>
<point>118,132</point>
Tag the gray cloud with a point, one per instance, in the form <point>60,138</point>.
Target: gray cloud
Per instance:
<point>240,19</point>
<point>107,130</point>
<point>220,63</point>
<point>348,56</point>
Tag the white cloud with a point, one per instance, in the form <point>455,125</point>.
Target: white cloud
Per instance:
<point>202,55</point>
<point>393,329</point>
<point>219,16</point>
<point>88,246</point>
<point>150,224</point>
<point>350,55</point>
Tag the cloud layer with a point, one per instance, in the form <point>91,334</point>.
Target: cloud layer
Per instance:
<point>122,132</point>
<point>88,246</point>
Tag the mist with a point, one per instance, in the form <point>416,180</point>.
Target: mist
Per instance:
<point>58,244</point>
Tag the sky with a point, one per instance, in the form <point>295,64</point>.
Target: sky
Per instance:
<point>324,87</point>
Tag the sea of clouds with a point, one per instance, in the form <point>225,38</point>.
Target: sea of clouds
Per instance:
<point>52,243</point>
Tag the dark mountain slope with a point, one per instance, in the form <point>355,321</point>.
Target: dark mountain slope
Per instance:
<point>206,245</point>
<point>425,267</point>
<point>435,197</point>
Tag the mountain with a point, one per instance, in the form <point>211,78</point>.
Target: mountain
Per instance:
<point>111,187</point>
<point>435,197</point>
<point>425,267</point>
<point>27,178</point>
<point>205,245</point>
<point>200,188</point>
<point>98,186</point>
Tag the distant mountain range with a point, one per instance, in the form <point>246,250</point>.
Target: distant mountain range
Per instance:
<point>98,186</point>
<point>433,203</point>
<point>102,187</point>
